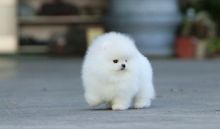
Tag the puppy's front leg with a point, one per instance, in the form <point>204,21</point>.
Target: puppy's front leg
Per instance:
<point>121,103</point>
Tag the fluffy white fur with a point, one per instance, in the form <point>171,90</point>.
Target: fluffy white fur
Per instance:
<point>106,81</point>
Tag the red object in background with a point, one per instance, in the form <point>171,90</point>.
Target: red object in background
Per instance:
<point>185,47</point>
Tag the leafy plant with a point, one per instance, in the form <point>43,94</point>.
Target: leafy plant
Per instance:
<point>214,46</point>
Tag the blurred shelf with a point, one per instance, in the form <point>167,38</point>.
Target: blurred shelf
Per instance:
<point>34,49</point>
<point>48,20</point>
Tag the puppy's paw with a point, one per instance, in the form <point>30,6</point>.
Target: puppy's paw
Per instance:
<point>118,107</point>
<point>142,104</point>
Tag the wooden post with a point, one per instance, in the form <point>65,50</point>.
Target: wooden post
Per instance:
<point>8,38</point>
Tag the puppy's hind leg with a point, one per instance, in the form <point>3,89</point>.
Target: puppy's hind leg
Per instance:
<point>141,102</point>
<point>144,96</point>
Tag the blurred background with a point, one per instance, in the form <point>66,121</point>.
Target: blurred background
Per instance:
<point>186,29</point>
<point>42,44</point>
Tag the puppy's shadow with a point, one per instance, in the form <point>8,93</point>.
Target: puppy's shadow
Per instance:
<point>105,108</point>
<point>97,109</point>
<point>110,110</point>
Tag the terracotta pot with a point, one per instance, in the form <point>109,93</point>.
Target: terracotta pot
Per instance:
<point>185,47</point>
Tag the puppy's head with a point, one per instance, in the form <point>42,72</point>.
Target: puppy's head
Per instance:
<point>118,53</point>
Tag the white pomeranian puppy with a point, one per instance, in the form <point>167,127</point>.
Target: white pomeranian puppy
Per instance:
<point>116,73</point>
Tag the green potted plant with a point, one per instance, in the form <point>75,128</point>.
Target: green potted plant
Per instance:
<point>185,42</point>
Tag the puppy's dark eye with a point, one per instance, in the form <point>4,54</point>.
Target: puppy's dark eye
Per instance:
<point>126,60</point>
<point>115,61</point>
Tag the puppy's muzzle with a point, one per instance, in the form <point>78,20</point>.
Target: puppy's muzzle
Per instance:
<point>123,66</point>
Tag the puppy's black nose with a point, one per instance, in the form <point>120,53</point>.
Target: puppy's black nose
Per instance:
<point>123,65</point>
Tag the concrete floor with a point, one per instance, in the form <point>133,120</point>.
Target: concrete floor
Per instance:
<point>45,93</point>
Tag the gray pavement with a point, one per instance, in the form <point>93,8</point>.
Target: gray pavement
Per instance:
<point>46,93</point>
